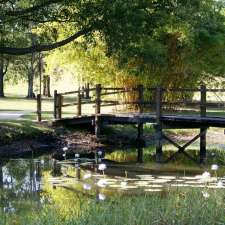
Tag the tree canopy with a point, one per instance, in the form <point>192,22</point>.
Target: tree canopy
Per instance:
<point>118,22</point>
<point>151,39</point>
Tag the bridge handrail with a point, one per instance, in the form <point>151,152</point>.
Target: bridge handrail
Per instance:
<point>157,103</point>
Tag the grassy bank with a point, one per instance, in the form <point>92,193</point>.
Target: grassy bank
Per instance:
<point>20,129</point>
<point>180,206</point>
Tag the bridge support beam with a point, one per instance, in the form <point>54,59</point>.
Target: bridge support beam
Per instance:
<point>203,129</point>
<point>158,143</point>
<point>140,131</point>
<point>140,155</point>
<point>203,145</point>
<point>158,126</point>
<point>97,126</point>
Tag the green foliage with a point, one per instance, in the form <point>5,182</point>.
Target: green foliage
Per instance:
<point>170,43</point>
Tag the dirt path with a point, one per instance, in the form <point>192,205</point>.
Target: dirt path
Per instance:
<point>12,115</point>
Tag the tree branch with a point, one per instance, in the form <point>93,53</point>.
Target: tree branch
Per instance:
<point>41,48</point>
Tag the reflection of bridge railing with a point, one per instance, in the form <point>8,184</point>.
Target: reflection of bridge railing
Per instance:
<point>100,97</point>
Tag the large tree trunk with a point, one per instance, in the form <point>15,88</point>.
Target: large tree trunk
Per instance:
<point>2,77</point>
<point>30,77</point>
<point>46,86</point>
<point>30,92</point>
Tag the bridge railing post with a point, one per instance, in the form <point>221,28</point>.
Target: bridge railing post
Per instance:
<point>87,91</point>
<point>98,110</point>
<point>59,106</point>
<point>82,92</point>
<point>203,130</point>
<point>203,101</point>
<point>78,103</point>
<point>159,92</point>
<point>55,104</point>
<point>140,90</point>
<point>158,126</point>
<point>98,99</point>
<point>141,98</point>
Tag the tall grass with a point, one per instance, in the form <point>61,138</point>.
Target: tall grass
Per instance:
<point>179,207</point>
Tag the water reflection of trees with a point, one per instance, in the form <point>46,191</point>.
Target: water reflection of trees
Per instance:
<point>1,174</point>
<point>20,180</point>
<point>25,187</point>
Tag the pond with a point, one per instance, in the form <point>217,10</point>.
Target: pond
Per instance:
<point>28,185</point>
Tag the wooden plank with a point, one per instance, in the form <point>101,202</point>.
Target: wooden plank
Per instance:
<point>75,103</point>
<point>215,90</point>
<point>68,92</point>
<point>113,93</point>
<point>182,89</point>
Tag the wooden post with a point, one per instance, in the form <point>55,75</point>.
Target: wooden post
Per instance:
<point>98,110</point>
<point>140,109</point>
<point>98,99</point>
<point>140,98</point>
<point>59,106</point>
<point>79,104</point>
<point>203,130</point>
<point>87,91</point>
<point>39,108</point>
<point>158,126</point>
<point>55,104</point>
<point>140,155</point>
<point>48,87</point>
<point>82,92</point>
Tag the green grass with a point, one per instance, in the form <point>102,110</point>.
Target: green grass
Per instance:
<point>15,130</point>
<point>169,207</point>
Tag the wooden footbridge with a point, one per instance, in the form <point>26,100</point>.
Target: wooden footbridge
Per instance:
<point>146,111</point>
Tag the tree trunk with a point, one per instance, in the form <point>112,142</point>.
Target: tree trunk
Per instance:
<point>46,86</point>
<point>30,93</point>
<point>30,77</point>
<point>2,77</point>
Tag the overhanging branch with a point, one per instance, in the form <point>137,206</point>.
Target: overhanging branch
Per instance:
<point>41,48</point>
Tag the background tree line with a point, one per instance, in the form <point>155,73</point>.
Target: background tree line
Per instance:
<point>170,43</point>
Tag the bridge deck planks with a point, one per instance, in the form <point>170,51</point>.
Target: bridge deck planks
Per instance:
<point>136,118</point>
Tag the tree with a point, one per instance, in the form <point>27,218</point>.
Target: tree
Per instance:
<point>4,63</point>
<point>25,68</point>
<point>125,21</point>
<point>151,40</point>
